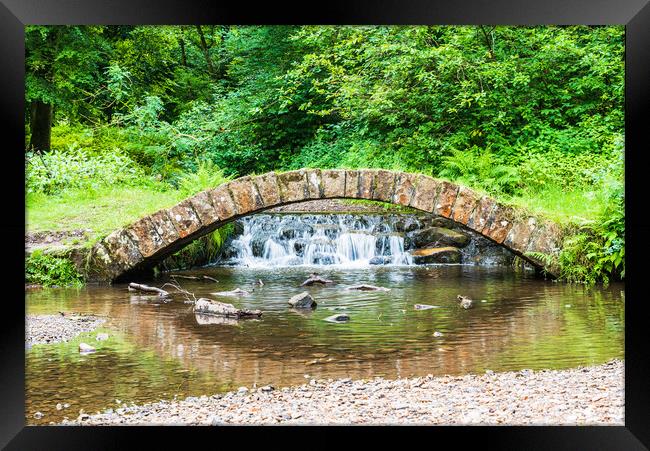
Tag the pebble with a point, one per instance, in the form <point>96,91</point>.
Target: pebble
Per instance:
<point>47,329</point>
<point>550,397</point>
<point>437,334</point>
<point>102,337</point>
<point>84,348</point>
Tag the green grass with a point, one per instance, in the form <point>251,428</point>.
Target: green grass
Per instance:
<point>102,211</point>
<point>563,206</point>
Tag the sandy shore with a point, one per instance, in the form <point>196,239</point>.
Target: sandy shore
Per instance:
<point>581,396</point>
<point>45,329</point>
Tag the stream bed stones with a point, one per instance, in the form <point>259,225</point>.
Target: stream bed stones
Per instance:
<point>591,395</point>
<point>45,329</point>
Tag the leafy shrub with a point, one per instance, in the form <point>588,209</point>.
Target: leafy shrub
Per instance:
<point>48,271</point>
<point>201,251</point>
<point>54,171</point>
<point>207,176</point>
<point>480,169</point>
<point>597,252</point>
<point>556,168</point>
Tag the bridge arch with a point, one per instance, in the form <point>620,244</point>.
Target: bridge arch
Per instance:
<point>152,238</point>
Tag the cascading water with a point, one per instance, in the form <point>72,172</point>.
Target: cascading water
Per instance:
<point>342,239</point>
<point>348,240</point>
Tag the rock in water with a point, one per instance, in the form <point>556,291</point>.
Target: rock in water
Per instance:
<point>302,300</point>
<point>315,278</point>
<point>437,334</point>
<point>235,292</point>
<point>465,302</point>
<point>430,255</point>
<point>339,318</point>
<point>368,288</point>
<point>84,347</point>
<point>425,306</point>
<point>210,307</point>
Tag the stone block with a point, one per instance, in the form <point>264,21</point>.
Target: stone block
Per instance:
<point>314,185</point>
<point>351,184</point>
<point>144,235</point>
<point>203,207</point>
<point>479,218</point>
<point>123,252</point>
<point>164,228</point>
<point>446,199</point>
<point>267,187</point>
<point>333,181</point>
<point>384,186</point>
<point>465,203</point>
<point>547,238</point>
<point>293,186</point>
<point>500,223</point>
<point>366,184</point>
<point>520,234</point>
<point>404,189</point>
<point>184,218</point>
<point>244,195</point>
<point>223,203</point>
<point>426,193</point>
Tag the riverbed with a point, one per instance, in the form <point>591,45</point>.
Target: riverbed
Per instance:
<point>162,351</point>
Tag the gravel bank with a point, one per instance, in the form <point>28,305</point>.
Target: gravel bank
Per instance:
<point>43,329</point>
<point>584,396</point>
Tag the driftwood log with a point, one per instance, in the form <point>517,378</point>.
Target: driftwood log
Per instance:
<point>315,278</point>
<point>207,306</point>
<point>148,289</point>
<point>368,288</point>
<point>180,276</point>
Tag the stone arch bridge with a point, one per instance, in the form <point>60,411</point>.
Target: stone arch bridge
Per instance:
<point>139,246</point>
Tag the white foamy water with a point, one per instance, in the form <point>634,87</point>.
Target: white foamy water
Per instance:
<point>317,240</point>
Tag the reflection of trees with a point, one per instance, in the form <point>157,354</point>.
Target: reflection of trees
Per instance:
<point>505,333</point>
<point>525,323</point>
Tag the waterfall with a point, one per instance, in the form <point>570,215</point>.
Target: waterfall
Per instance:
<point>275,240</point>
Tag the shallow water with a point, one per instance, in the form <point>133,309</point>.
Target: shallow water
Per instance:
<point>158,351</point>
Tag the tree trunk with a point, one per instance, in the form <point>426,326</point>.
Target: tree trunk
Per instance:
<point>206,50</point>
<point>41,127</point>
<point>181,41</point>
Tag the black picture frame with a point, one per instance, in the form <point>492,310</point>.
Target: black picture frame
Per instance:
<point>634,14</point>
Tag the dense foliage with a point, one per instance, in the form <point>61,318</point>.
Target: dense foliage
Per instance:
<point>524,113</point>
<point>48,270</point>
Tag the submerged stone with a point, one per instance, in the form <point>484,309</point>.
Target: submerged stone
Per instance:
<point>338,318</point>
<point>302,300</point>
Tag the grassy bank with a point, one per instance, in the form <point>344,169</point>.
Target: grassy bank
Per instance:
<point>102,210</point>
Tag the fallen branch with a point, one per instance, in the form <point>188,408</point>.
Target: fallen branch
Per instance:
<point>148,289</point>
<point>210,307</point>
